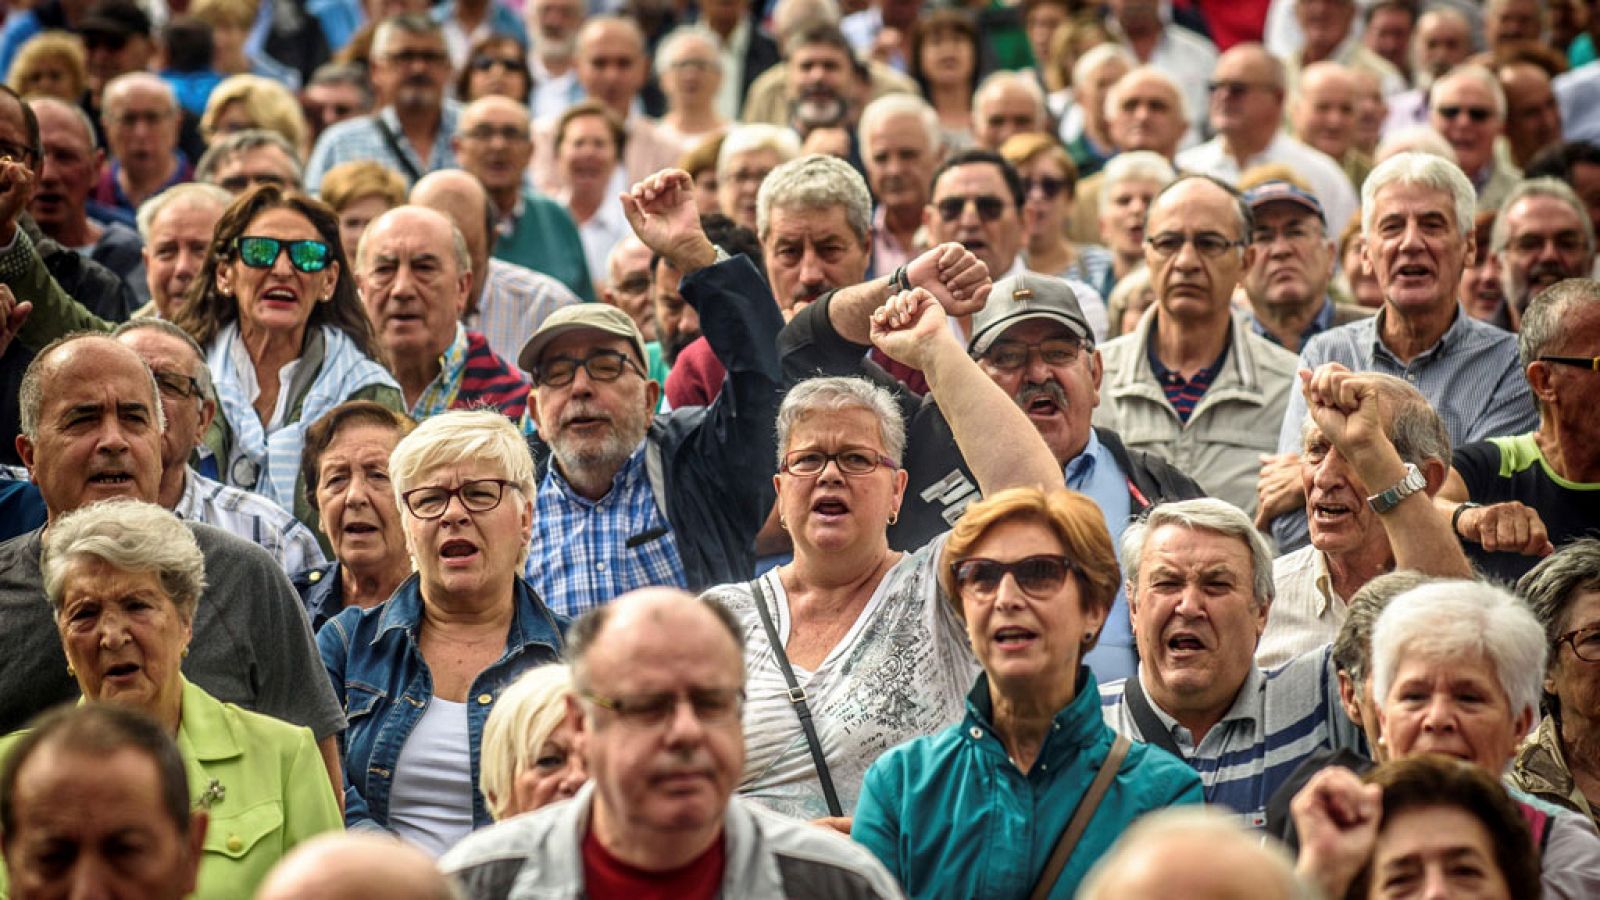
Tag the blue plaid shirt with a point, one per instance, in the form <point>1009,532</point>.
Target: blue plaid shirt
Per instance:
<point>585,554</point>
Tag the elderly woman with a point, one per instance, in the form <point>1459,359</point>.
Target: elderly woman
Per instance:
<point>529,755</point>
<point>53,64</point>
<point>1560,762</point>
<point>359,192</point>
<point>420,673</point>
<point>497,66</point>
<point>689,68</point>
<point>1033,574</point>
<point>589,141</point>
<point>246,102</point>
<point>868,632</point>
<point>748,154</point>
<point>124,578</point>
<point>1481,294</point>
<point>345,469</point>
<point>1127,185</point>
<point>285,336</point>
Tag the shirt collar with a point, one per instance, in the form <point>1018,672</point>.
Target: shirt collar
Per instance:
<point>1246,703</point>
<point>1451,336</point>
<point>1081,467</point>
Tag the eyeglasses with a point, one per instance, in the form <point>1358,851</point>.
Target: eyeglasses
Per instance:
<point>262,253</point>
<point>485,63</point>
<point>989,208</point>
<point>1478,114</point>
<point>177,385</point>
<point>601,365</point>
<point>426,57</point>
<point>1591,363</point>
<point>850,460</point>
<point>712,706</point>
<point>143,117</point>
<point>238,184</point>
<point>1234,88</point>
<point>1585,643</point>
<point>1009,356</point>
<point>1038,576</point>
<point>1207,243</point>
<point>1565,242</point>
<point>105,39</point>
<point>511,134</point>
<point>478,495</point>
<point>17,152</point>
<point>1050,187</point>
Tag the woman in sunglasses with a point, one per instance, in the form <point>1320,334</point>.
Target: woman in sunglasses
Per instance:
<point>286,338</point>
<point>419,674</point>
<point>1049,181</point>
<point>979,808</point>
<point>496,67</point>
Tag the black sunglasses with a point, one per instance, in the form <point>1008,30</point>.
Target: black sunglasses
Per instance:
<point>486,62</point>
<point>1050,186</point>
<point>1479,114</point>
<point>989,208</point>
<point>1037,576</point>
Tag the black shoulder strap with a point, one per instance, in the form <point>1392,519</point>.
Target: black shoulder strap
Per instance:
<point>1149,723</point>
<point>797,696</point>
<point>393,144</point>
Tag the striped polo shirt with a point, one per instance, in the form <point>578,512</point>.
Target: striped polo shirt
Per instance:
<point>1184,393</point>
<point>1278,718</point>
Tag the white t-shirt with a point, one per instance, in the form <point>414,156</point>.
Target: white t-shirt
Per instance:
<point>430,803</point>
<point>902,671</point>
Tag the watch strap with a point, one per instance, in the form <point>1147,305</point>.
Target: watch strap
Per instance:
<point>1386,500</point>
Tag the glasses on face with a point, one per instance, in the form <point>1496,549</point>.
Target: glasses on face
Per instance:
<point>485,63</point>
<point>989,208</point>
<point>1208,244</point>
<point>1591,363</point>
<point>484,134</point>
<point>1038,576</point>
<point>1568,243</point>
<point>713,706</point>
<point>424,57</point>
<point>850,460</point>
<point>1478,114</point>
<point>322,111</point>
<point>262,253</point>
<point>17,152</point>
<point>478,495</point>
<point>176,385</point>
<point>1046,185</point>
<point>140,117</point>
<point>601,365</point>
<point>1585,643</point>
<point>238,184</point>
<point>1008,356</point>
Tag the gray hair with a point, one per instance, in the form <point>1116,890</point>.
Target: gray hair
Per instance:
<point>335,74</point>
<point>1415,427</point>
<point>836,394</point>
<point>898,105</point>
<point>458,241</point>
<point>1456,620</point>
<point>1416,139</point>
<point>677,37</point>
<point>1154,831</point>
<point>795,15</point>
<point>91,133</point>
<point>1475,72</point>
<point>1201,514</point>
<point>190,192</point>
<point>1099,55</point>
<point>199,371</point>
<point>1024,80</point>
<point>1242,211</point>
<point>30,395</point>
<point>1114,95</point>
<point>1352,646</point>
<point>1552,585</point>
<point>1540,187</point>
<point>1543,320</point>
<point>224,148</point>
<point>132,536</point>
<point>409,23</point>
<point>816,182</point>
<point>754,136</point>
<point>1135,165</point>
<point>1426,170</point>
<point>111,94</point>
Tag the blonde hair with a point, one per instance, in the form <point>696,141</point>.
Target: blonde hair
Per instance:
<point>450,438</point>
<point>268,104</point>
<point>348,182</point>
<point>236,13</point>
<point>51,46</point>
<point>524,717</point>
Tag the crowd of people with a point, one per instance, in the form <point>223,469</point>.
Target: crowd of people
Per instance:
<point>807,448</point>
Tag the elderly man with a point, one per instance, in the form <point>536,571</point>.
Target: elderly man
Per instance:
<point>628,284</point>
<point>1324,115</point>
<point>495,144</point>
<point>1442,41</point>
<point>797,23</point>
<point>1553,470</point>
<point>85,785</point>
<point>1389,25</point>
<point>813,219</point>
<point>648,834</point>
<point>1087,130</point>
<point>1326,25</point>
<point>238,162</point>
<point>411,135</point>
<point>140,114</point>
<point>415,277</point>
<point>977,202</point>
<point>1207,851</point>
<point>336,92</point>
<point>1533,118</point>
<point>1194,384</point>
<point>1509,22</point>
<point>748,154</point>
<point>1541,236</point>
<point>1468,107</point>
<point>177,225</point>
<point>1288,281</point>
<point>1247,96</point>
<point>1578,164</point>
<point>1144,111</point>
<point>340,866</point>
<point>92,425</point>
<point>627,498</point>
<point>1184,55</point>
<point>67,173</point>
<point>553,39</point>
<point>822,91</point>
<point>612,66</point>
<point>900,146</point>
<point>1007,103</point>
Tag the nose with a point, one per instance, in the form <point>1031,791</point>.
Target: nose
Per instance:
<point>1038,372</point>
<point>1435,883</point>
<point>811,269</point>
<point>113,628</point>
<point>90,880</point>
<point>1329,472</point>
<point>357,492</point>
<point>574,775</point>
<point>1191,602</point>
<point>1439,715</point>
<point>684,728</point>
<point>1008,595</point>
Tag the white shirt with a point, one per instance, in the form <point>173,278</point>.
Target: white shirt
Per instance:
<point>1306,611</point>
<point>607,228</point>
<point>1319,170</point>
<point>552,94</point>
<point>430,802</point>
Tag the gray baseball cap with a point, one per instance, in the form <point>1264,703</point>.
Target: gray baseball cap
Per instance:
<point>1019,298</point>
<point>578,317</point>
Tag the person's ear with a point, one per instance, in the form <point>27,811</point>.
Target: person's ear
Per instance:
<point>1347,698</point>
<point>199,824</point>
<point>1538,375</point>
<point>652,393</point>
<point>1434,473</point>
<point>208,412</point>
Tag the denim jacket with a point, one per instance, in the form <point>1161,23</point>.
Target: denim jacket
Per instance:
<point>376,664</point>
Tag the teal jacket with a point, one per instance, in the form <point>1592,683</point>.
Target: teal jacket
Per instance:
<point>951,816</point>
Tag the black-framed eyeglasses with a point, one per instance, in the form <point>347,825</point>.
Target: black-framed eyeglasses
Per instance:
<point>486,62</point>
<point>1207,243</point>
<point>1050,187</point>
<point>1008,356</point>
<point>1038,576</point>
<point>1569,243</point>
<point>712,706</point>
<point>989,207</point>
<point>601,365</point>
<point>1591,363</point>
<point>1478,114</point>
<point>262,253</point>
<point>850,460</point>
<point>238,184</point>
<point>175,384</point>
<point>477,495</point>
<point>426,57</point>
<point>1585,643</point>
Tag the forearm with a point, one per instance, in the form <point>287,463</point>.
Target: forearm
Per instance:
<point>850,310</point>
<point>999,444</point>
<point>1419,532</point>
<point>55,313</point>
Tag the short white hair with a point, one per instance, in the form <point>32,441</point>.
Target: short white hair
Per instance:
<point>754,136</point>
<point>1099,55</point>
<point>833,394</point>
<point>1202,514</point>
<point>1114,95</point>
<point>1500,234</point>
<point>526,714</point>
<point>450,438</point>
<point>1135,165</point>
<point>1426,170</point>
<point>898,105</point>
<point>1024,80</point>
<point>1417,139</point>
<point>1475,72</point>
<point>816,181</point>
<point>189,193</point>
<point>131,536</point>
<point>677,37</point>
<point>1457,620</point>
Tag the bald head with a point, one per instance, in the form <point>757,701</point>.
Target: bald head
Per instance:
<point>1213,858</point>
<point>1324,112</point>
<point>356,864</point>
<point>461,197</point>
<point>630,627</point>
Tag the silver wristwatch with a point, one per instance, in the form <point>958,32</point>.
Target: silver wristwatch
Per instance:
<point>722,255</point>
<point>1405,487</point>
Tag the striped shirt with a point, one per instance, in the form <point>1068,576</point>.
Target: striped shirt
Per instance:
<point>252,517</point>
<point>472,376</point>
<point>515,302</point>
<point>1306,611</point>
<point>1278,718</point>
<point>1183,393</point>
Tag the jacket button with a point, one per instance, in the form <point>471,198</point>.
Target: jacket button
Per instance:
<point>485,699</point>
<point>976,732</point>
<point>315,576</point>
<point>234,844</point>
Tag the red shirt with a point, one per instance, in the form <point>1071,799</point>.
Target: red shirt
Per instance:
<point>605,877</point>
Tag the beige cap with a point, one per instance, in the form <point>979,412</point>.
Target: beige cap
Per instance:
<point>592,316</point>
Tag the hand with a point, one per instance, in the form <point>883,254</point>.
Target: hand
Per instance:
<point>840,824</point>
<point>1279,488</point>
<point>16,189</point>
<point>1508,527</point>
<point>12,316</point>
<point>1347,408</point>
<point>662,212</point>
<point>909,327</point>
<point>958,280</point>
<point>1336,817</point>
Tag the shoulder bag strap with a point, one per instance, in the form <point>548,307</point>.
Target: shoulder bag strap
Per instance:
<point>393,144</point>
<point>797,697</point>
<point>1150,727</point>
<point>1079,823</point>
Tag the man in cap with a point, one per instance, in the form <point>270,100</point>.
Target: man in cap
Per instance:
<point>1288,280</point>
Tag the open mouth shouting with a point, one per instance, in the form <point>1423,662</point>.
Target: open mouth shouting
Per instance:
<point>830,510</point>
<point>111,480</point>
<point>458,552</point>
<point>1015,638</point>
<point>121,674</point>
<point>280,298</point>
<point>1183,644</point>
<point>1413,274</point>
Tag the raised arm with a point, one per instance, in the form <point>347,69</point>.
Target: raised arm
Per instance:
<point>999,444</point>
<point>953,277</point>
<point>53,312</point>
